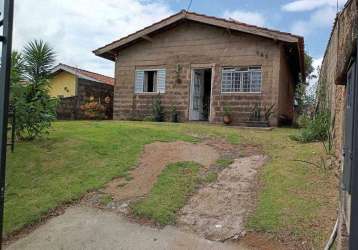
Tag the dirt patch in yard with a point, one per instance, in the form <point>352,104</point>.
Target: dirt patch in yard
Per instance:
<point>154,159</point>
<point>219,211</point>
<point>263,241</point>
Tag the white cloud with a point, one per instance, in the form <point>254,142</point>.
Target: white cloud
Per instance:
<point>75,28</point>
<point>316,63</point>
<point>320,18</point>
<point>248,17</point>
<point>309,5</point>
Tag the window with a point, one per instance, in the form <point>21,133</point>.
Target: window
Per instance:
<point>241,79</point>
<point>150,81</point>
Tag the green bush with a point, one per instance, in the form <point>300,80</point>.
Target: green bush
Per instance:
<point>227,110</point>
<point>317,129</point>
<point>157,109</point>
<point>303,121</point>
<point>30,74</point>
<point>174,114</point>
<point>35,110</point>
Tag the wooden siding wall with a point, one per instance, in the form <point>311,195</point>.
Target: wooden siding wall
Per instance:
<point>178,50</point>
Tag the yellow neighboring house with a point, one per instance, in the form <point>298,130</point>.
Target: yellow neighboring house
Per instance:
<point>65,80</point>
<point>63,84</point>
<point>76,87</point>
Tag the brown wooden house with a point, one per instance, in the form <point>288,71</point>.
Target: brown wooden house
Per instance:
<point>202,64</point>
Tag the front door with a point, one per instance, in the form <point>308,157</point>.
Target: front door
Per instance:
<point>196,97</point>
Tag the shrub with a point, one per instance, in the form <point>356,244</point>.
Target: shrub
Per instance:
<point>317,129</point>
<point>174,114</point>
<point>255,114</point>
<point>35,110</point>
<point>303,121</point>
<point>93,110</point>
<point>268,112</point>
<point>258,110</point>
<point>30,74</point>
<point>227,110</point>
<point>157,109</point>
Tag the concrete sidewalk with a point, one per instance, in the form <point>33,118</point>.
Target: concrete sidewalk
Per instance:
<point>89,228</point>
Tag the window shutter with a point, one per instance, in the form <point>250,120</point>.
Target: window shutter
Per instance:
<point>139,81</point>
<point>161,80</point>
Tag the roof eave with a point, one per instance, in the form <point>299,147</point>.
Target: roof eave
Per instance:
<point>73,72</point>
<point>107,50</point>
<point>105,54</point>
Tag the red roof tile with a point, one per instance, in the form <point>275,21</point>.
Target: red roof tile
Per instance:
<point>95,76</point>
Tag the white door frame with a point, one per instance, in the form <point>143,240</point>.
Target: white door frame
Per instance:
<point>193,68</point>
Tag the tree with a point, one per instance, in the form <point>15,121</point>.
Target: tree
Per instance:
<point>17,75</point>
<point>30,74</point>
<point>39,58</point>
<point>309,66</point>
<point>17,67</point>
<point>304,99</point>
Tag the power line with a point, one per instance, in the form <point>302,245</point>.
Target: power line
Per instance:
<point>189,5</point>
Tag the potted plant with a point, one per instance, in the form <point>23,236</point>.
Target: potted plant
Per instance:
<point>174,114</point>
<point>269,112</point>
<point>227,115</point>
<point>157,109</point>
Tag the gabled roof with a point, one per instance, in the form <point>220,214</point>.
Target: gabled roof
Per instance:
<point>84,74</point>
<point>108,51</point>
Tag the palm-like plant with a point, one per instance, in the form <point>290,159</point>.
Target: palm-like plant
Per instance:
<point>35,109</point>
<point>17,67</point>
<point>39,59</point>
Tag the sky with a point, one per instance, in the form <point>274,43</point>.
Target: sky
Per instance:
<point>75,28</point>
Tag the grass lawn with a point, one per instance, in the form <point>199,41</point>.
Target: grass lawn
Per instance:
<point>79,156</point>
<point>296,199</point>
<point>173,187</point>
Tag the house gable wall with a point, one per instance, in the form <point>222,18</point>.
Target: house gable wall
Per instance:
<point>180,49</point>
<point>63,84</point>
<point>286,89</point>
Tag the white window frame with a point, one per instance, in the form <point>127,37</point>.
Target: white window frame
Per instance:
<point>157,89</point>
<point>241,71</point>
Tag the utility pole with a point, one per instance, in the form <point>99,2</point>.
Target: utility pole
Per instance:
<point>5,70</point>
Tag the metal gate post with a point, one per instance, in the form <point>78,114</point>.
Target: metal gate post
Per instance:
<point>353,232</point>
<point>6,39</point>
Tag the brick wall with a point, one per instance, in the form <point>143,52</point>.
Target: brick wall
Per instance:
<point>332,80</point>
<point>190,45</point>
<point>66,109</point>
<point>69,108</point>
